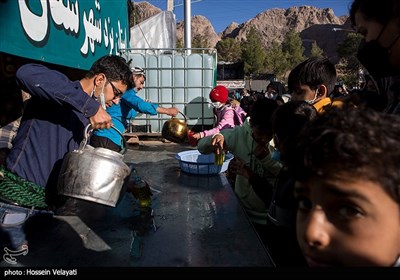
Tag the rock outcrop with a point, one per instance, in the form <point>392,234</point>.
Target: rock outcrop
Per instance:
<point>314,25</point>
<point>200,26</point>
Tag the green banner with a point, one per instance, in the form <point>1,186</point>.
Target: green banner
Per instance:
<point>71,33</point>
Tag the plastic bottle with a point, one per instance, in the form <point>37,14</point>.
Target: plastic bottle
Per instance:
<point>142,191</point>
<point>219,158</point>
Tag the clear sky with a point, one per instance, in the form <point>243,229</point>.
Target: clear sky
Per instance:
<point>221,13</point>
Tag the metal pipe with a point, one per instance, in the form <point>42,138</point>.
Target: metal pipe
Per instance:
<point>187,26</point>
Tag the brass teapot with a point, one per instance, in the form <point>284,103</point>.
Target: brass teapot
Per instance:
<point>175,130</point>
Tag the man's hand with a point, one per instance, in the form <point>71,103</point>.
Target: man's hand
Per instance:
<point>173,111</point>
<point>168,111</point>
<point>101,119</point>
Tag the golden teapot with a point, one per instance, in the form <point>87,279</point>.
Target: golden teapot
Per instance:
<point>175,130</point>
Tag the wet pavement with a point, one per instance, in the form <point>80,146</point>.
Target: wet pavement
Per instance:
<point>194,221</point>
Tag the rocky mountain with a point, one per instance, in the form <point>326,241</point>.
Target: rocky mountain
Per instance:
<point>141,11</point>
<point>200,26</point>
<point>314,25</point>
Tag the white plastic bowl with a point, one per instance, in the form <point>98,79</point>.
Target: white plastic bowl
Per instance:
<point>194,162</point>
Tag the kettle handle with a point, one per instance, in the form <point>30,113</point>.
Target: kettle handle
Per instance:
<point>183,115</point>
<point>86,137</point>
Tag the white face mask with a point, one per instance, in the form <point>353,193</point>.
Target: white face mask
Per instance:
<point>311,102</point>
<point>216,105</point>
<point>271,94</point>
<point>102,98</point>
<point>93,90</point>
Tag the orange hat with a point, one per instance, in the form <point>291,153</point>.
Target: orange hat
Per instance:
<point>219,94</point>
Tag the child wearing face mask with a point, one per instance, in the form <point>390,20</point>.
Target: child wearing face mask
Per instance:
<point>312,81</point>
<point>227,116</point>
